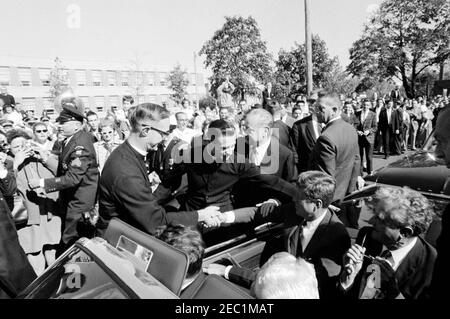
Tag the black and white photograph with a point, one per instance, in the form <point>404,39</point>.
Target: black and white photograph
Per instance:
<point>229,153</point>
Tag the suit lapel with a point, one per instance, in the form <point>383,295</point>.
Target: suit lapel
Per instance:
<point>292,243</point>
<point>409,264</point>
<point>310,130</point>
<point>318,236</point>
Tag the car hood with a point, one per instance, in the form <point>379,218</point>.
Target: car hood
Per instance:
<point>420,171</point>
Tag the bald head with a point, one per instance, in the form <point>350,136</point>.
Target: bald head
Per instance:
<point>259,124</point>
<point>328,107</point>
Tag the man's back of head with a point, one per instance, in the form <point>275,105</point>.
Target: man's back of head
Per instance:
<point>286,277</point>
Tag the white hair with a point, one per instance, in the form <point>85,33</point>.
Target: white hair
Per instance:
<point>286,277</point>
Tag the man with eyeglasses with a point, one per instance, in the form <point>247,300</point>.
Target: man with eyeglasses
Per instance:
<point>126,184</point>
<point>40,136</point>
<point>76,171</point>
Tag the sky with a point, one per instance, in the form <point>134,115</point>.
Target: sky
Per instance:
<point>168,32</point>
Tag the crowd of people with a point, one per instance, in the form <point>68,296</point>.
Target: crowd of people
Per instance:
<point>190,174</point>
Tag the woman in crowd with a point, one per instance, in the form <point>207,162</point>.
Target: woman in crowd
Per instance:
<point>42,230</point>
<point>393,251</point>
<point>109,141</point>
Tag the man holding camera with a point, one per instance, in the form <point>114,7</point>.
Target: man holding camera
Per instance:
<point>77,171</point>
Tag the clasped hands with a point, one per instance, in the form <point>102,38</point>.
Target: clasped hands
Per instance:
<point>212,217</point>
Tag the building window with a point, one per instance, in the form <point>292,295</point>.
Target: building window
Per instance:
<point>81,77</point>
<point>112,78</point>
<point>150,79</point>
<point>97,78</point>
<point>125,78</point>
<point>4,76</point>
<point>25,76</point>
<point>99,109</point>
<point>28,103</point>
<point>162,79</point>
<point>99,101</point>
<point>44,75</point>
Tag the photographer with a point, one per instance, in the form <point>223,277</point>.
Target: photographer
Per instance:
<point>42,230</point>
<point>16,272</point>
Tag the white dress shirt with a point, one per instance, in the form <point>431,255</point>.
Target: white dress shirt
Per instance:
<point>400,254</point>
<point>309,229</point>
<point>316,126</point>
<point>389,114</point>
<point>257,153</point>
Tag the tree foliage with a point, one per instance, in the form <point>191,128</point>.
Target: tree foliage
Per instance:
<point>402,39</point>
<point>290,75</point>
<point>339,81</point>
<point>58,79</point>
<point>178,83</point>
<point>238,50</point>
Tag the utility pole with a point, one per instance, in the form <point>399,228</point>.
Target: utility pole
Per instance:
<point>195,77</point>
<point>308,39</point>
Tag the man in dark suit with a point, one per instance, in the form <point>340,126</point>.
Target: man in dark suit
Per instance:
<point>391,259</point>
<point>390,125</point>
<point>312,231</point>
<point>441,276</point>
<point>305,133</point>
<point>126,185</point>
<point>77,172</point>
<point>336,151</point>
<point>366,129</point>
<point>16,272</point>
<point>395,94</point>
<point>266,152</point>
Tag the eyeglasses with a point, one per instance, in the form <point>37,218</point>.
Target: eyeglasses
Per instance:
<point>163,133</point>
<point>41,131</point>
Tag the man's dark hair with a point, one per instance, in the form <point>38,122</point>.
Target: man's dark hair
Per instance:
<point>187,240</point>
<point>145,111</point>
<point>38,124</point>
<point>295,108</point>
<point>225,127</point>
<point>89,113</point>
<point>317,185</point>
<point>127,98</point>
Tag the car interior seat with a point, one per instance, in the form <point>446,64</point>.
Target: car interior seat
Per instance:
<point>216,287</point>
<point>168,264</point>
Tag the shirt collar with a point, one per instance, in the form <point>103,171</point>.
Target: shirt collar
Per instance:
<point>332,120</point>
<point>399,254</point>
<point>138,149</point>
<point>316,222</point>
<point>262,148</point>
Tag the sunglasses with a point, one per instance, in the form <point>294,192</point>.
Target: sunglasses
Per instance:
<point>163,133</point>
<point>41,131</point>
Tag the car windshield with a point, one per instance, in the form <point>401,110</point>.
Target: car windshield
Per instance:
<point>77,276</point>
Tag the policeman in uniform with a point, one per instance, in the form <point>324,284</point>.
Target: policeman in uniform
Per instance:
<point>77,171</point>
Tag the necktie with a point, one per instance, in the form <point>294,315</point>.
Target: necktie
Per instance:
<point>301,238</point>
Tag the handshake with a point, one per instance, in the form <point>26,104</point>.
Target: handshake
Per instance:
<point>212,217</point>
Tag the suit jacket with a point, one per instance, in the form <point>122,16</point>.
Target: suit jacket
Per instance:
<point>441,277</point>
<point>8,99</point>
<point>304,139</point>
<point>283,133</point>
<point>325,250</point>
<point>413,275</point>
<point>125,192</point>
<point>211,183</point>
<point>16,272</point>
<point>396,121</point>
<point>395,94</point>
<point>369,124</point>
<point>277,161</point>
<point>337,153</point>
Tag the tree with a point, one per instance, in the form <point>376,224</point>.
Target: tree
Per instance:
<point>178,83</point>
<point>290,77</point>
<point>237,50</point>
<point>58,79</point>
<point>340,81</point>
<point>401,40</point>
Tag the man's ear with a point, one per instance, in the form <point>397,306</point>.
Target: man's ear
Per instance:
<point>319,203</point>
<point>407,231</point>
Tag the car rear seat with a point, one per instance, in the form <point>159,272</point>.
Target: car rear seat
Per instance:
<point>168,265</point>
<point>216,287</point>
